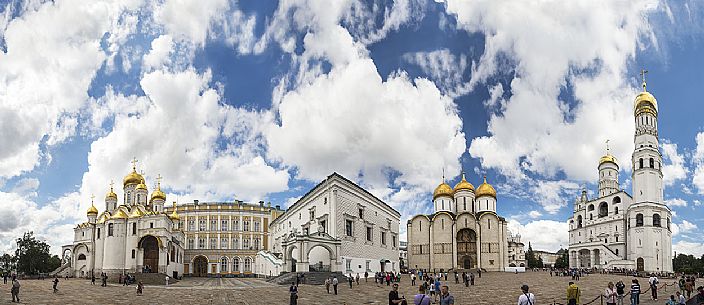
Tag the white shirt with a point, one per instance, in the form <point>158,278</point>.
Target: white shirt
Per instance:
<point>652,280</point>
<point>526,299</point>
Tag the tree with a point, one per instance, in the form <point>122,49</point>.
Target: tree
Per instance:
<point>688,263</point>
<point>563,260</point>
<point>530,257</point>
<point>7,263</point>
<point>33,255</point>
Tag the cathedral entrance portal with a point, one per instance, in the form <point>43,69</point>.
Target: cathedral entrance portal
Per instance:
<point>200,266</point>
<point>467,248</point>
<point>150,246</point>
<point>640,264</point>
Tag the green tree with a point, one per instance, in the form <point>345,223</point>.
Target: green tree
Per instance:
<point>33,255</point>
<point>530,257</point>
<point>688,263</point>
<point>563,260</point>
<point>7,263</point>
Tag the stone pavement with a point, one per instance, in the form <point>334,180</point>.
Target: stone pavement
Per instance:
<point>492,288</point>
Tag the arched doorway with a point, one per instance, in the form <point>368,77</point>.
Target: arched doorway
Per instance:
<point>150,246</point>
<point>467,248</point>
<point>640,264</point>
<point>293,253</point>
<point>200,266</point>
<point>319,258</point>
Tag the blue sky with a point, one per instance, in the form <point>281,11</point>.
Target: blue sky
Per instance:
<point>259,100</point>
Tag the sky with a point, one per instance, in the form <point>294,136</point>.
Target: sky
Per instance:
<point>261,100</point>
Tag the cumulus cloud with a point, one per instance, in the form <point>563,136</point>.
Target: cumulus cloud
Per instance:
<point>535,131</point>
<point>674,170</point>
<point>443,67</point>
<point>687,226</point>
<point>547,235</point>
<point>698,160</point>
<point>551,194</point>
<point>159,54</point>
<point>191,20</point>
<point>686,247</point>
<point>676,202</point>
<point>534,214</point>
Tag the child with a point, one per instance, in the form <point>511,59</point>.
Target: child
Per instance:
<point>140,288</point>
<point>672,301</point>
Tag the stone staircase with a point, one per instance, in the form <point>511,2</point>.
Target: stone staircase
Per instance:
<point>63,270</point>
<point>311,278</point>
<point>150,278</point>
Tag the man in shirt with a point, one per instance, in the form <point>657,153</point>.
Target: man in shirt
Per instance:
<point>394,299</point>
<point>526,298</point>
<point>573,294</point>
<point>445,297</point>
<point>653,281</point>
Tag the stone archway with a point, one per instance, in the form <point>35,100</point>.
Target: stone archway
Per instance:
<point>320,258</point>
<point>66,256</point>
<point>467,248</point>
<point>150,248</point>
<point>640,264</point>
<point>293,252</point>
<point>200,266</point>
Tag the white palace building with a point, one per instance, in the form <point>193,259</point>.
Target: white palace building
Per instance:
<point>619,230</point>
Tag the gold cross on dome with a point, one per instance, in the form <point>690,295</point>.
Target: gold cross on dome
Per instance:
<point>642,76</point>
<point>134,163</point>
<point>607,147</point>
<point>158,179</point>
<point>111,184</point>
<point>92,196</point>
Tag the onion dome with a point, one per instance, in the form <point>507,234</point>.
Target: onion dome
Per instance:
<point>443,189</point>
<point>645,102</point>
<point>174,215</point>
<point>141,185</point>
<point>119,214</point>
<point>485,189</point>
<point>464,185</point>
<point>158,194</point>
<point>607,158</point>
<point>92,210</point>
<point>111,194</point>
<point>133,177</point>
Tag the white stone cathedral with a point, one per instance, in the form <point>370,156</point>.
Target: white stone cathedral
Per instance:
<point>135,236</point>
<point>617,230</point>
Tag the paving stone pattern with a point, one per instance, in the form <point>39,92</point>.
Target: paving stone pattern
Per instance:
<point>492,288</point>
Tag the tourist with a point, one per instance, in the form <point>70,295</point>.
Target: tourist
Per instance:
<point>573,294</point>
<point>167,281</point>
<point>4,278</point>
<point>356,278</point>
<point>92,278</point>
<point>140,288</point>
<point>394,298</point>
<point>635,292</point>
<point>431,286</point>
<point>350,279</point>
<point>119,279</point>
<point>689,287</point>
<point>388,279</point>
<point>445,297</point>
<point>15,290</point>
<point>620,292</point>
<point>471,278</point>
<point>445,276</point>
<point>479,271</point>
<point>457,278</point>
<point>334,284</point>
<point>699,298</point>
<point>672,300</point>
<point>653,281</point>
<point>680,298</point>
<point>465,279</point>
<point>56,284</point>
<point>526,298</point>
<point>610,294</point>
<point>327,285</point>
<point>413,279</point>
<point>421,298</point>
<point>293,291</point>
<point>366,275</point>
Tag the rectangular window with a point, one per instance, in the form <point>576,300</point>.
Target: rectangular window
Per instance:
<point>348,227</point>
<point>224,225</point>
<point>235,225</point>
<point>133,253</point>
<point>223,243</point>
<point>191,225</point>
<point>369,233</point>
<point>245,225</point>
<point>213,243</point>
<point>151,225</point>
<point>368,266</point>
<point>322,225</point>
<point>348,264</point>
<point>312,214</point>
<point>98,233</point>
<point>361,213</point>
<point>201,243</point>
<point>256,226</point>
<point>201,225</point>
<point>190,243</point>
<point>213,225</point>
<point>245,243</point>
<point>134,228</point>
<point>110,229</point>
<point>393,240</point>
<point>383,238</point>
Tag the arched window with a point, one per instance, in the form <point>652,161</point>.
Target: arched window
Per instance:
<point>640,163</point>
<point>223,264</point>
<point>81,257</point>
<point>590,208</point>
<point>656,220</point>
<point>639,220</point>
<point>235,264</point>
<point>110,229</point>
<point>603,209</point>
<point>591,216</point>
<point>652,163</point>
<point>579,221</point>
<point>247,264</point>
<point>616,200</point>
<point>668,223</point>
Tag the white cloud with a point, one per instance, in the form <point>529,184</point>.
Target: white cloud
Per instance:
<point>443,67</point>
<point>685,247</point>
<point>551,194</point>
<point>687,227</point>
<point>676,202</point>
<point>239,31</point>
<point>159,54</point>
<point>191,20</point>
<point>535,131</point>
<point>534,214</point>
<point>698,160</point>
<point>26,187</point>
<point>676,169</point>
<point>547,235</point>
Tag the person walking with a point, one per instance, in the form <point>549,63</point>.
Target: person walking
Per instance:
<point>92,279</point>
<point>457,278</point>
<point>56,284</point>
<point>421,298</point>
<point>653,281</point>
<point>471,278</point>
<point>432,292</point>
<point>140,288</point>
<point>620,292</point>
<point>366,275</point>
<point>356,278</point>
<point>4,278</point>
<point>15,290</point>
<point>445,297</point>
<point>167,280</point>
<point>334,284</point>
<point>526,298</point>
<point>293,291</point>
<point>445,276</point>
<point>479,271</point>
<point>413,279</point>
<point>327,285</point>
<point>350,279</point>
<point>635,292</point>
<point>610,294</point>
<point>573,294</point>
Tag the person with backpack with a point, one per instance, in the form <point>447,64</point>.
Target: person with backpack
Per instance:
<point>421,298</point>
<point>526,298</point>
<point>334,284</point>
<point>635,292</point>
<point>653,281</point>
<point>573,294</point>
<point>610,294</point>
<point>620,292</point>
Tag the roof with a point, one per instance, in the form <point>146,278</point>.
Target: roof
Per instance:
<point>335,175</point>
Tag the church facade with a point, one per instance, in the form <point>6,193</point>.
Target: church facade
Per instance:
<point>615,229</point>
<point>132,236</point>
<point>463,233</point>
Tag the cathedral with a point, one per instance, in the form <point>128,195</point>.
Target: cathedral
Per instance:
<point>135,236</point>
<point>463,233</point>
<point>620,230</point>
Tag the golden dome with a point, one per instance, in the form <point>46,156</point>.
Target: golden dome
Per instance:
<point>111,195</point>
<point>464,185</point>
<point>132,178</point>
<point>174,215</point>
<point>92,210</point>
<point>119,214</point>
<point>141,185</point>
<point>158,194</point>
<point>443,189</point>
<point>103,217</point>
<point>485,189</point>
<point>607,158</point>
<point>645,102</point>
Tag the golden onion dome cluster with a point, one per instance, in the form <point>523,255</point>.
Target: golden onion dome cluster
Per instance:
<point>485,189</point>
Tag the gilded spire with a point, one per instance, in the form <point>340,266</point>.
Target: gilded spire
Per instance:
<point>642,76</point>
<point>92,210</point>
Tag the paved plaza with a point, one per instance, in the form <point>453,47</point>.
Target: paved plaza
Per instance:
<point>492,288</point>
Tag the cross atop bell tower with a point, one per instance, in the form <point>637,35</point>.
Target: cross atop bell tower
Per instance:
<point>643,72</point>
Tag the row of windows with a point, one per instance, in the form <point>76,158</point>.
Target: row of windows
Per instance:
<point>224,225</point>
<point>224,264</point>
<point>349,231</point>
<point>111,229</point>
<point>225,244</point>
